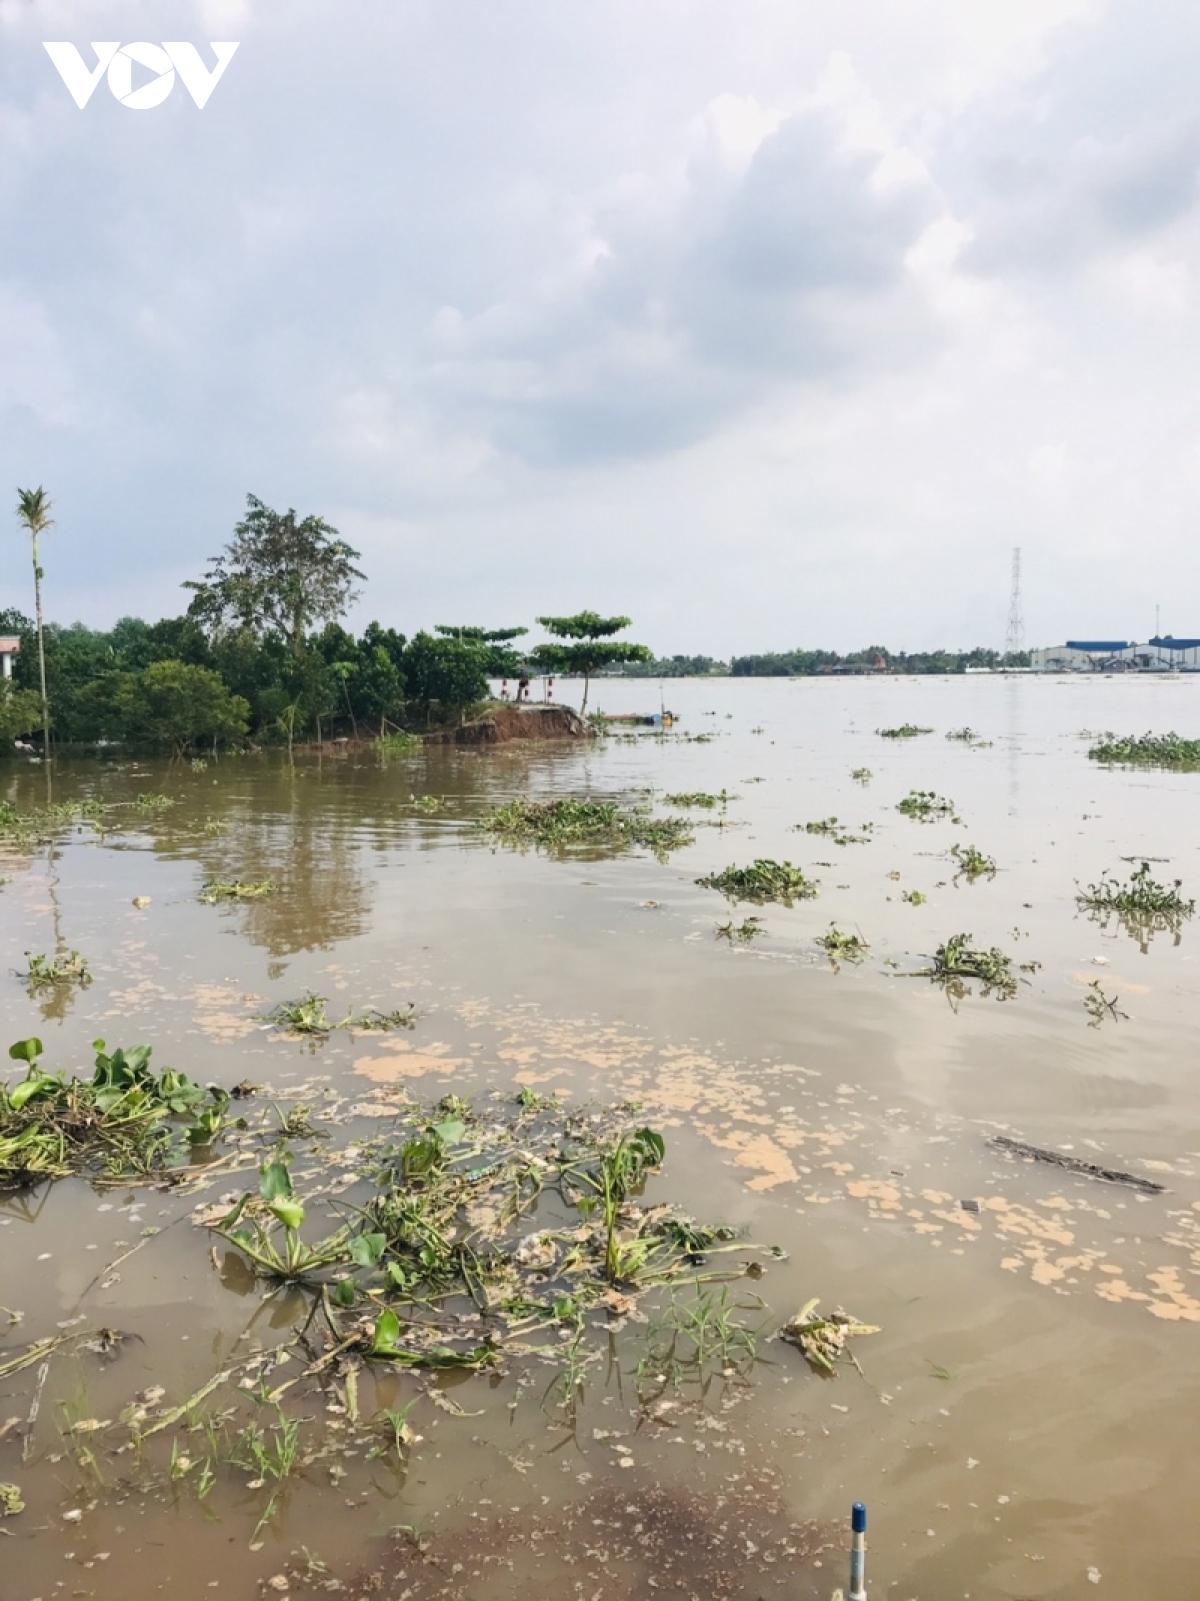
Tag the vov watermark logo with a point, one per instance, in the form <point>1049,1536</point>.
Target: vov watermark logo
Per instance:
<point>118,60</point>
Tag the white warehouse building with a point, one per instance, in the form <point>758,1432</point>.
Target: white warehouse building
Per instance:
<point>1163,654</point>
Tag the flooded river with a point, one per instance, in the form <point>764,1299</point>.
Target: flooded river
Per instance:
<point>1022,1423</point>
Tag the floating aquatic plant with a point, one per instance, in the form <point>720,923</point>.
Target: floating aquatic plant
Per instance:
<point>566,822</point>
<point>972,863</point>
<point>904,731</point>
<point>925,806</point>
<point>1143,905</point>
<point>126,1120</point>
<point>1147,750</point>
<point>236,889</point>
<point>841,946</point>
<point>764,880</point>
<point>960,959</point>
<point>46,972</point>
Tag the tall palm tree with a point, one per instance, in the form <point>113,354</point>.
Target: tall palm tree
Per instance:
<point>33,513</point>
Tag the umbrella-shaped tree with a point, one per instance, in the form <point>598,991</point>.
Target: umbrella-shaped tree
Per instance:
<point>589,646</point>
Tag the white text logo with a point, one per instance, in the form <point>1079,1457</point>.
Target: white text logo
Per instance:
<point>163,60</point>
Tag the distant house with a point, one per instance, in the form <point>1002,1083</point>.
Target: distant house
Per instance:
<point>9,646</point>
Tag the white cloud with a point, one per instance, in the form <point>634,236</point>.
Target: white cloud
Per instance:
<point>766,323</point>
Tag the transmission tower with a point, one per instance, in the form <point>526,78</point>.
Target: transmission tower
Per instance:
<point>1015,639</point>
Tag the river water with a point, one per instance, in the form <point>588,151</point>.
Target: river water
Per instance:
<point>1024,1419</point>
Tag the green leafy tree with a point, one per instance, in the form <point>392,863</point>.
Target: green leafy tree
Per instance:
<point>20,711</point>
<point>277,576</point>
<point>169,703</point>
<point>502,660</point>
<point>591,646</point>
<point>33,514</point>
<point>449,673</point>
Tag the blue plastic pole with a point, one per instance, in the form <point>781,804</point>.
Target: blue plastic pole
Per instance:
<point>858,1552</point>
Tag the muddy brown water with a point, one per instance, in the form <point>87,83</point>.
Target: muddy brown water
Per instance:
<point>1024,1423</point>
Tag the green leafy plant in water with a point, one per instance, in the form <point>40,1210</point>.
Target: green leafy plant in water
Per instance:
<point>959,959</point>
<point>830,828</point>
<point>1147,750</point>
<point>913,897</point>
<point>968,736</point>
<point>46,972</point>
<point>275,1249</point>
<point>125,1119</point>
<point>904,731</point>
<point>12,1501</point>
<point>236,889</point>
<point>843,947</point>
<point>304,1016</point>
<point>154,803</point>
<point>427,805</point>
<point>925,806</point>
<point>561,824</point>
<point>1143,906</point>
<point>861,775</point>
<point>741,933</point>
<point>699,797</point>
<point>972,863</point>
<point>764,880</point>
<point>620,1170</point>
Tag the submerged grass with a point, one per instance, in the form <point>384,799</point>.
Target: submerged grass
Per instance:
<point>562,824</point>
<point>764,880</point>
<point>1147,750</point>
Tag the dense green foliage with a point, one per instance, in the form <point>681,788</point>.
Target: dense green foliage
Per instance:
<point>1147,750</point>
<point>805,663</point>
<point>588,648</point>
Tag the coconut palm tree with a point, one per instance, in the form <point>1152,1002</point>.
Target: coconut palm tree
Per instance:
<point>33,514</point>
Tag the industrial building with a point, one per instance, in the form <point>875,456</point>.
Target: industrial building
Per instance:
<point>1163,654</point>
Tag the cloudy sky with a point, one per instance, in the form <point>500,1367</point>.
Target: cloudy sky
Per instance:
<point>769,322</point>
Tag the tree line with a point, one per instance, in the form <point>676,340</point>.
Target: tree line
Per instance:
<point>260,653</point>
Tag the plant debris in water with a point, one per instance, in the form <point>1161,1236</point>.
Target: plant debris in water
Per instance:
<point>1147,750</point>
<point>764,880</point>
<point>1099,1005</point>
<point>925,806</point>
<point>830,828</point>
<point>566,822</point>
<point>843,947</point>
<point>972,863</point>
<point>861,775</point>
<point>124,1121</point>
<point>905,731</point>
<point>308,1016</point>
<point>741,933</point>
<point>959,959</point>
<point>236,889</point>
<point>45,972</point>
<point>701,798</point>
<point>822,1340</point>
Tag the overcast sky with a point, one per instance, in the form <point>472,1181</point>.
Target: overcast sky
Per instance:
<point>768,322</point>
